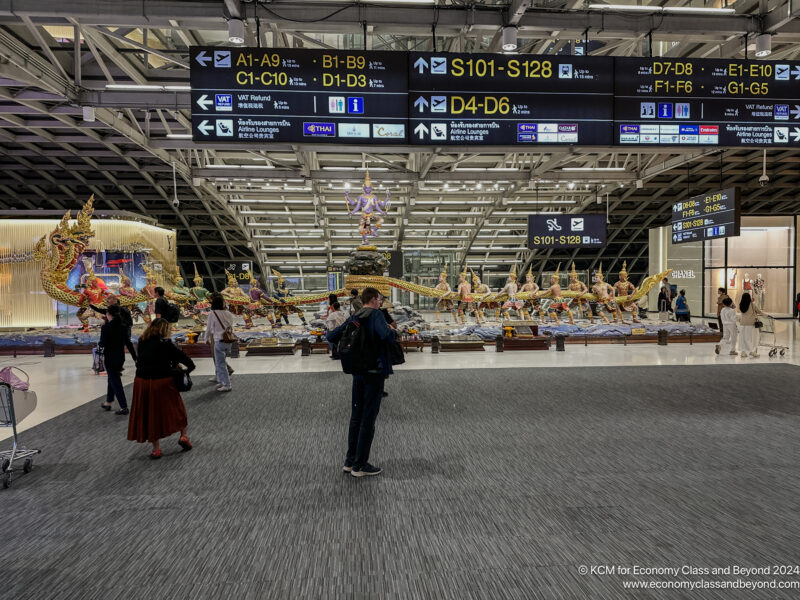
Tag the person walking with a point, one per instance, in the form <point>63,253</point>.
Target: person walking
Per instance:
<point>219,329</point>
<point>721,295</point>
<point>748,315</point>
<point>356,303</point>
<point>731,332</point>
<point>157,409</point>
<point>682,307</point>
<point>228,367</point>
<point>114,338</point>
<point>367,384</point>
<point>668,294</point>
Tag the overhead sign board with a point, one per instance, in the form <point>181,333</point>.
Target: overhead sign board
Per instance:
<point>264,95</point>
<point>297,95</point>
<point>506,100</point>
<point>566,231</point>
<point>707,217</point>
<point>691,102</point>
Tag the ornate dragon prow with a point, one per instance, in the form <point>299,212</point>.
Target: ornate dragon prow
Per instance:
<point>648,284</point>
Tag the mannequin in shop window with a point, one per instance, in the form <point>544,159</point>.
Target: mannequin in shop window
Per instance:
<point>747,285</point>
<point>759,291</point>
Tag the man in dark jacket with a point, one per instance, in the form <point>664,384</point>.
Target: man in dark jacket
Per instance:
<point>367,386</point>
<point>124,314</point>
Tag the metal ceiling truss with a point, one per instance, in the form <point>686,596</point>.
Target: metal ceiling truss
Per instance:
<point>283,205</point>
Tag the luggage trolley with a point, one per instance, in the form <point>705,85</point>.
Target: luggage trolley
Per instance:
<point>769,327</point>
<point>8,418</point>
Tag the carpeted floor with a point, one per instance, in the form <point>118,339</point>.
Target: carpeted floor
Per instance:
<point>497,484</point>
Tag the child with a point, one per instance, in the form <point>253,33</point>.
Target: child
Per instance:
<point>729,328</point>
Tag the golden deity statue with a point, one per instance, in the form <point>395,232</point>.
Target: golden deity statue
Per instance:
<point>530,287</point>
<point>623,287</point>
<point>576,285</point>
<point>444,303</point>
<point>605,296</point>
<point>558,304</point>
<point>480,293</point>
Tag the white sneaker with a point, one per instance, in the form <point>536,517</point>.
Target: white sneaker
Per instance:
<point>744,354</point>
<point>213,380</point>
<point>224,388</point>
<point>755,354</point>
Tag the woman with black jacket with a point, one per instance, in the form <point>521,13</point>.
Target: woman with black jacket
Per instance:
<point>114,338</point>
<point>157,409</point>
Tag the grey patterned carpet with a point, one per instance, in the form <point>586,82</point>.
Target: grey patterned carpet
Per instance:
<point>497,484</point>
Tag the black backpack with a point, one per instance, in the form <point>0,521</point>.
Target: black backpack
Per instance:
<point>174,313</point>
<point>355,349</point>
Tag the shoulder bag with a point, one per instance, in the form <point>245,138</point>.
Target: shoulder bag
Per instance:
<point>227,336</point>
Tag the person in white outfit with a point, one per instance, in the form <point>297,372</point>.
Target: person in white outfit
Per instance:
<point>730,331</point>
<point>219,321</point>
<point>335,318</point>
<point>748,314</point>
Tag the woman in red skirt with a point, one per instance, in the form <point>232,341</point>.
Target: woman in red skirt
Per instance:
<point>157,410</point>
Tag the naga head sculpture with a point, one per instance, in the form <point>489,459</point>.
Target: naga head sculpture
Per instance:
<point>81,231</point>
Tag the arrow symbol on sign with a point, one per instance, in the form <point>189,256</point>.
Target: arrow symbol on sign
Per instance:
<point>421,64</point>
<point>205,128</point>
<point>204,102</point>
<point>796,72</point>
<point>203,59</point>
<point>421,103</point>
<point>796,111</point>
<point>795,134</point>
<point>421,130</point>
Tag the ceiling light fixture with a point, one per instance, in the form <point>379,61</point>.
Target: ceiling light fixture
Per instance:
<point>667,9</point>
<point>509,38</point>
<point>763,45</point>
<point>236,31</point>
<point>593,169</point>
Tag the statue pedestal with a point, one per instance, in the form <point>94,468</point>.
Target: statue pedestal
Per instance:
<point>365,268</point>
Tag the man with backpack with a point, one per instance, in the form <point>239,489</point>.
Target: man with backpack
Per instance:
<point>363,343</point>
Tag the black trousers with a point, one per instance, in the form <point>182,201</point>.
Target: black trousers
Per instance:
<point>114,376</point>
<point>367,394</point>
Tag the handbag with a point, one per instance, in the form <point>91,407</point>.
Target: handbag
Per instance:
<point>227,336</point>
<point>758,324</point>
<point>396,353</point>
<point>181,379</point>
